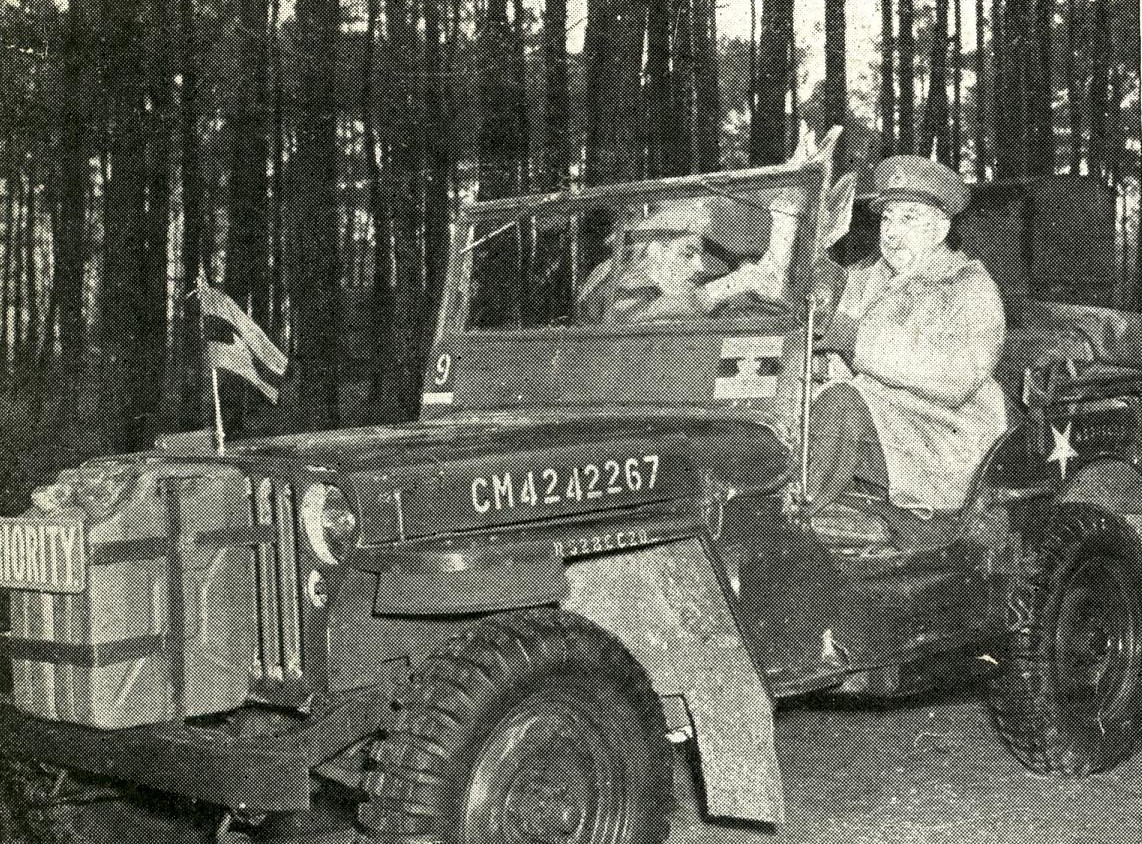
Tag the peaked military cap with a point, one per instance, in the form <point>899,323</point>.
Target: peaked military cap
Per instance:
<point>911,177</point>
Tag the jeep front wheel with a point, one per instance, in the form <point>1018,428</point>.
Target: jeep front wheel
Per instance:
<point>1067,696</point>
<point>535,727</point>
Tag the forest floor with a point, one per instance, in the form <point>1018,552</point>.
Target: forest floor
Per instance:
<point>926,772</point>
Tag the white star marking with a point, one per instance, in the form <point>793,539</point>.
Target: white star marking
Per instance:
<point>1062,452</point>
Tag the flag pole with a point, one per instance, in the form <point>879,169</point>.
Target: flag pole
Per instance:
<point>219,431</point>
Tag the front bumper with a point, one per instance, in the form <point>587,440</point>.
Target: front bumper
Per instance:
<point>254,774</point>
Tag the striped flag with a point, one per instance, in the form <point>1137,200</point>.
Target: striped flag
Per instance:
<point>246,351</point>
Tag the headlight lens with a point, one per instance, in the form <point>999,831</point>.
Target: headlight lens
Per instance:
<point>329,522</point>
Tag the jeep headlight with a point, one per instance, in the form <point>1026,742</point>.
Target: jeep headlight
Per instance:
<point>329,522</point>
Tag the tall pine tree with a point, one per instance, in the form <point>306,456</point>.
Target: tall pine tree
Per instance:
<point>314,293</point>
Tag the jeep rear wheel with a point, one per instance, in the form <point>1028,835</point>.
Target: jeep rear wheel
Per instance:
<point>1067,697</point>
<point>536,727</point>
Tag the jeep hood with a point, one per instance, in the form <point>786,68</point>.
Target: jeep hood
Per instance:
<point>426,479</point>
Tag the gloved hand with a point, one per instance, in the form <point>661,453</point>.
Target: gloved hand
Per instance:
<point>838,336</point>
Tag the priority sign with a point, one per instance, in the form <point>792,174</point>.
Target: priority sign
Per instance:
<point>44,554</point>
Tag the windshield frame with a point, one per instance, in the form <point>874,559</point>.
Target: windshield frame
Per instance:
<point>497,214</point>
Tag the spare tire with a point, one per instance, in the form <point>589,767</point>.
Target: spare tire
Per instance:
<point>535,727</point>
<point>1066,697</point>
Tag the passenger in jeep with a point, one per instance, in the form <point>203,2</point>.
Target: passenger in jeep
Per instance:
<point>922,328</point>
<point>693,262</point>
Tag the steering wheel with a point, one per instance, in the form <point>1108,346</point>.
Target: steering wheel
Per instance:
<point>750,304</point>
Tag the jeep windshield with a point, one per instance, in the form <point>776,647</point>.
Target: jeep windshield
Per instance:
<point>605,255</point>
<point>597,298</point>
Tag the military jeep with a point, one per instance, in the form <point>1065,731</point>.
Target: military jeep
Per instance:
<point>490,624</point>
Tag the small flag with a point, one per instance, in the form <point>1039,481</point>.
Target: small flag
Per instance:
<point>247,352</point>
<point>838,211</point>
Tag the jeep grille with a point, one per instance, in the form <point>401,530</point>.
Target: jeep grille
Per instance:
<point>276,583</point>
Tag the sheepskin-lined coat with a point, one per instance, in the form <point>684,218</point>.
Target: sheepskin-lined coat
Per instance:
<point>927,344</point>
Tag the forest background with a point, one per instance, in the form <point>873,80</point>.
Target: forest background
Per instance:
<point>307,156</point>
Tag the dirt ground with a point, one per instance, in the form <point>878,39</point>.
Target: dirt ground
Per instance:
<point>931,772</point>
<point>923,773</point>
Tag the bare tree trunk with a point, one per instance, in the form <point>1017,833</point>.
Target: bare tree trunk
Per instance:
<point>907,41</point>
<point>775,73</point>
<point>187,354</point>
<point>346,190</point>
<point>836,83</point>
<point>1136,304</point>
<point>128,321</point>
<point>887,80</point>
<point>1074,108</point>
<point>556,146</point>
<point>74,179</point>
<point>405,159</point>
<point>793,126</point>
<point>598,50</point>
<point>934,129</point>
<point>1117,184</point>
<point>16,356</point>
<point>452,90</point>
<point>659,120</point>
<point>383,393</point>
<point>49,299</point>
<point>553,293</point>
<point>1097,156</point>
<point>276,321</point>
<point>315,295</point>
<point>751,77</point>
<point>615,30</point>
<point>1015,150</point>
<point>160,132</point>
<point>707,106</point>
<point>520,91</point>
<point>502,150</point>
<point>683,95</point>
<point>1042,91</point>
<point>436,205</point>
<point>529,301</point>
<point>244,279</point>
<point>999,120</point>
<point>31,279</point>
<point>11,221</point>
<point>981,156</point>
<point>957,86</point>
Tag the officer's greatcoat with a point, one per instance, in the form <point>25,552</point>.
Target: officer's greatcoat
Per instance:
<point>926,347</point>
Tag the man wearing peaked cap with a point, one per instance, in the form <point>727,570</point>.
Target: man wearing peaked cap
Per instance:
<point>910,177</point>
<point>921,328</point>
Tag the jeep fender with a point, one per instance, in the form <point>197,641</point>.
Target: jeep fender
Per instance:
<point>1112,484</point>
<point>667,606</point>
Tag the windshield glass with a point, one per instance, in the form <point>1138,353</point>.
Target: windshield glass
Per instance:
<point>708,249</point>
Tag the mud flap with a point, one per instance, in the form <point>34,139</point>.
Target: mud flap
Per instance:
<point>666,606</point>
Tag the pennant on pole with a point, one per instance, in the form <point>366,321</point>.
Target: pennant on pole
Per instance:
<point>838,211</point>
<point>249,352</point>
